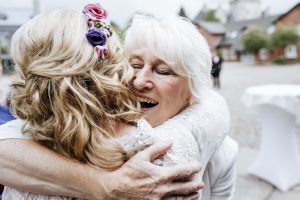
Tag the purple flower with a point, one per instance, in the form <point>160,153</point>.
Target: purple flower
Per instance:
<point>96,37</point>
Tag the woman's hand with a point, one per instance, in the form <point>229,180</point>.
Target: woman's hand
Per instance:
<point>138,178</point>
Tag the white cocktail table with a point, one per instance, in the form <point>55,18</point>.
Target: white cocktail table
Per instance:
<point>278,107</point>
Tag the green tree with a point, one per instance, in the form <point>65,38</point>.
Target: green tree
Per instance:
<point>182,12</point>
<point>284,36</point>
<point>117,29</point>
<point>211,16</point>
<point>254,39</point>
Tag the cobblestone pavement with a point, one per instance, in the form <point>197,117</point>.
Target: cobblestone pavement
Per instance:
<point>245,127</point>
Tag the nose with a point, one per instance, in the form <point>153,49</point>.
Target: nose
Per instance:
<point>142,80</point>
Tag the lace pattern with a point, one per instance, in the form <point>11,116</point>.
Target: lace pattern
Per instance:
<point>198,130</point>
<point>13,194</point>
<point>184,149</point>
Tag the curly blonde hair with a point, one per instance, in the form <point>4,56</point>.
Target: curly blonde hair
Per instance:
<point>66,95</point>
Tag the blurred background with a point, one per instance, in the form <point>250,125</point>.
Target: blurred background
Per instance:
<point>257,40</point>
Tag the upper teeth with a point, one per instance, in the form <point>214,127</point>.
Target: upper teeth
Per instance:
<point>146,100</point>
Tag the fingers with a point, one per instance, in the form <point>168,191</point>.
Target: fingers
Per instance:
<point>155,150</point>
<point>183,188</point>
<point>193,196</point>
<point>182,171</point>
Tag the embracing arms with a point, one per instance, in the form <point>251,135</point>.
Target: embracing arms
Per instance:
<point>28,166</point>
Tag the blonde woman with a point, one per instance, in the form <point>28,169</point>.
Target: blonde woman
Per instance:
<point>126,138</point>
<point>73,91</point>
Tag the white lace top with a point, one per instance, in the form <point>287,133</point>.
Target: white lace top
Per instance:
<point>196,132</point>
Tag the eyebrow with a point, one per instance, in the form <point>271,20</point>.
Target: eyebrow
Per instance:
<point>155,62</point>
<point>135,57</point>
<point>158,62</point>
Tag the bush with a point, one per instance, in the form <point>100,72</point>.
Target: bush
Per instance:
<point>279,61</point>
<point>284,36</point>
<point>283,61</point>
<point>255,39</point>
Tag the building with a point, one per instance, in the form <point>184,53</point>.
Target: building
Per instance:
<point>212,31</point>
<point>291,17</point>
<point>227,38</point>
<point>231,46</point>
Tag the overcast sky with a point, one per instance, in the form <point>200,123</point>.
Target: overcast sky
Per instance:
<point>121,10</point>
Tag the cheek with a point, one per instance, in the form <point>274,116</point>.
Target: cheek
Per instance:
<point>177,94</point>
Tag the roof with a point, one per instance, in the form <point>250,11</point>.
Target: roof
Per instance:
<point>235,30</point>
<point>200,16</point>
<point>261,22</point>
<point>286,13</point>
<point>212,27</point>
<point>8,28</point>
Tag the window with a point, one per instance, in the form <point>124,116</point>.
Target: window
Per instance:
<point>263,54</point>
<point>290,52</point>
<point>271,29</point>
<point>233,34</point>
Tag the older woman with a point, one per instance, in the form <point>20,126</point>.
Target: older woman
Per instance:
<point>159,95</point>
<point>171,61</point>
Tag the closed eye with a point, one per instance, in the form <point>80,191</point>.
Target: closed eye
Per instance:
<point>136,66</point>
<point>165,72</point>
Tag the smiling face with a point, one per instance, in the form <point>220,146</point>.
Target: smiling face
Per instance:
<point>162,92</point>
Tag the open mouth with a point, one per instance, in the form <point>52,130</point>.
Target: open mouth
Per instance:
<point>147,103</point>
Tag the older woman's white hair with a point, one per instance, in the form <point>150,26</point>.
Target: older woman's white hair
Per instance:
<point>176,41</point>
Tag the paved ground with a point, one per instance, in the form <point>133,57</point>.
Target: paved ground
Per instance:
<point>235,78</point>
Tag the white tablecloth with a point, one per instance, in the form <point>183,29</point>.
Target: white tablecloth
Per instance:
<point>278,160</point>
<point>286,97</point>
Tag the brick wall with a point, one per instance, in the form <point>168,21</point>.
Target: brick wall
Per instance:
<point>291,18</point>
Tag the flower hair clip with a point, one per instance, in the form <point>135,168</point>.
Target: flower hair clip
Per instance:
<point>99,31</point>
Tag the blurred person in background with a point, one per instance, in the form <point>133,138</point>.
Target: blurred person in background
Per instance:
<point>217,62</point>
<point>5,114</point>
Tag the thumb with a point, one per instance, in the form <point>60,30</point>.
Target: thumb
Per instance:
<point>157,149</point>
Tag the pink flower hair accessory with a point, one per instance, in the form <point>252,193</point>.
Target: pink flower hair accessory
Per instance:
<point>95,12</point>
<point>99,31</point>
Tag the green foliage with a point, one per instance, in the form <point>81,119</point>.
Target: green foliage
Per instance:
<point>211,16</point>
<point>3,50</point>
<point>182,12</point>
<point>117,29</point>
<point>254,39</point>
<point>284,36</point>
<point>280,60</point>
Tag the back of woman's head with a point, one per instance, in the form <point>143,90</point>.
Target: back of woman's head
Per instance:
<point>176,41</point>
<point>65,93</point>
